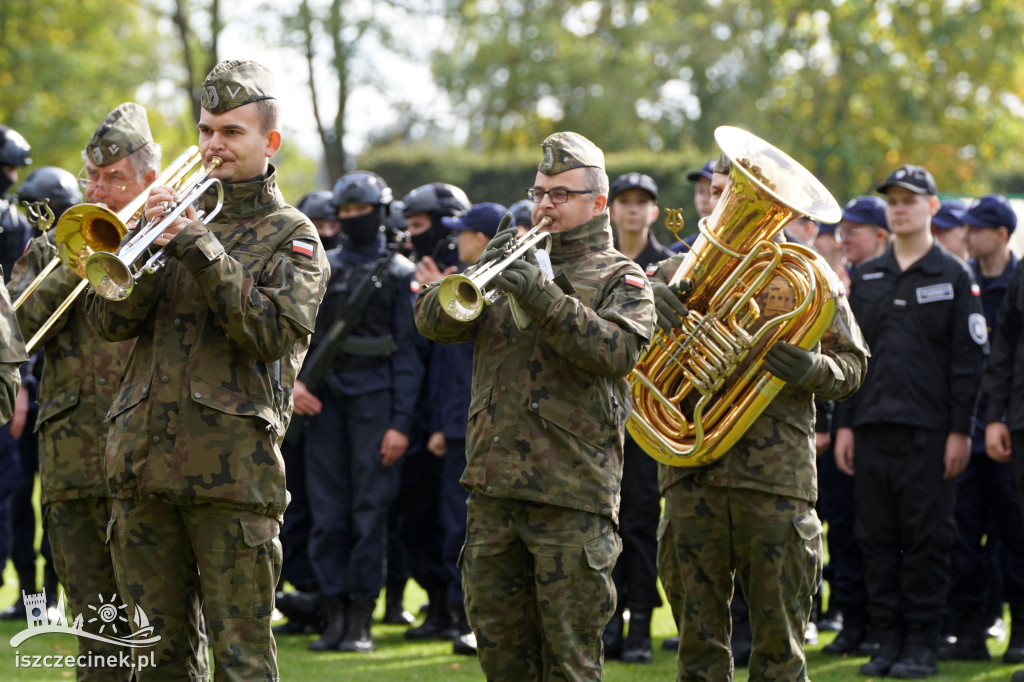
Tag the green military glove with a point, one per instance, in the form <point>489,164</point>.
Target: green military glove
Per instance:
<point>520,279</point>
<point>792,364</point>
<point>500,241</point>
<point>669,307</point>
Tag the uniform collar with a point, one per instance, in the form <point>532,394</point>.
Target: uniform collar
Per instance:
<point>931,263</point>
<point>593,235</point>
<point>257,196</point>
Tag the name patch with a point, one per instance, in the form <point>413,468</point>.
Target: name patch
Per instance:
<point>936,292</point>
<point>873,275</point>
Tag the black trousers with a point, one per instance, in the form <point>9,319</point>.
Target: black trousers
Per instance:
<point>636,571</point>
<point>836,507</point>
<point>420,528</point>
<point>904,522</point>
<point>295,566</point>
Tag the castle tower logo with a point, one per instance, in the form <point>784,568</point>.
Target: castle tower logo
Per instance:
<point>106,620</point>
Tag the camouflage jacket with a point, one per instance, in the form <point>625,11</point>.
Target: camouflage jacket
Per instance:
<point>12,354</point>
<point>220,333</point>
<point>777,454</point>
<point>549,403</point>
<point>80,375</point>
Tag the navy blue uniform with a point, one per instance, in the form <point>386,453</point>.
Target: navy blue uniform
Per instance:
<point>372,388</point>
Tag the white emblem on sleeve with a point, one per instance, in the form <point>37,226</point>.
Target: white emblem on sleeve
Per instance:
<point>978,328</point>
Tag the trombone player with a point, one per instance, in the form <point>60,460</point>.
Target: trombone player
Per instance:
<point>80,375</point>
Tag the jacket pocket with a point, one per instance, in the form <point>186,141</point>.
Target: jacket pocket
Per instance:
<point>233,403</point>
<point>55,404</point>
<point>129,397</point>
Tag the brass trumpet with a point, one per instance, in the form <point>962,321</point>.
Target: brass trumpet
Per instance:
<point>113,275</point>
<point>463,296</point>
<point>86,229</point>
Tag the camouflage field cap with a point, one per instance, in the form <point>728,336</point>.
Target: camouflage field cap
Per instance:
<point>565,151</point>
<point>235,83</point>
<point>123,131</point>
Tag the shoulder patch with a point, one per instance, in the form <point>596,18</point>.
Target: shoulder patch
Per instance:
<point>414,286</point>
<point>978,328</point>
<point>975,290</point>
<point>634,281</point>
<point>305,248</point>
<point>651,269</point>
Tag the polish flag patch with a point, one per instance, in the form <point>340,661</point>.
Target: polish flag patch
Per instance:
<point>975,290</point>
<point>305,248</point>
<point>414,286</point>
<point>651,269</point>
<point>634,281</point>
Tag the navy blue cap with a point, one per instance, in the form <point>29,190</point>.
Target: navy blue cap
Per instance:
<point>992,210</point>
<point>483,217</point>
<point>826,228</point>
<point>950,214</point>
<point>914,178</point>
<point>706,171</point>
<point>867,210</point>
<point>633,181</point>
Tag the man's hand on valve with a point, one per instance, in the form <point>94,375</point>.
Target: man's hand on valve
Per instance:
<point>669,306</point>
<point>792,364</point>
<point>518,279</point>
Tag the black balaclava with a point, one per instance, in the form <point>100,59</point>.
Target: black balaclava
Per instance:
<point>426,243</point>
<point>364,229</point>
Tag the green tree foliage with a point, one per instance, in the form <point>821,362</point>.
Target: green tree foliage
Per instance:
<point>848,88</point>
<point>64,64</point>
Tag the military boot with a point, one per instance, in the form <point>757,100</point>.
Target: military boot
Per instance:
<point>337,623</point>
<point>919,658</point>
<point>969,629</point>
<point>439,623</point>
<point>1015,646</point>
<point>394,610</point>
<point>890,645</point>
<point>464,643</point>
<point>853,631</point>
<point>304,610</point>
<point>637,647</point>
<point>357,637</point>
<point>612,637</point>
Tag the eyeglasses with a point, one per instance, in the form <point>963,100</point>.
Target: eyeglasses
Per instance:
<point>87,183</point>
<point>557,196</point>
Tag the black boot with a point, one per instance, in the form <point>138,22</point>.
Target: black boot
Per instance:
<point>612,637</point>
<point>394,611</point>
<point>970,623</point>
<point>464,643</point>
<point>1015,646</point>
<point>439,623</point>
<point>305,611</point>
<point>637,648</point>
<point>852,634</point>
<point>670,644</point>
<point>358,638</point>
<point>890,645</point>
<point>337,622</point>
<point>919,658</point>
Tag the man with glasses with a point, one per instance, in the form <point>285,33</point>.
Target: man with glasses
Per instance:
<point>546,422</point>
<point>80,374</point>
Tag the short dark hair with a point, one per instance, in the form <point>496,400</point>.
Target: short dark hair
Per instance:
<point>269,113</point>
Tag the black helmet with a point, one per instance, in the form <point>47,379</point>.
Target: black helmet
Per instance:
<point>522,213</point>
<point>318,205</point>
<point>361,187</point>
<point>14,150</point>
<point>438,198</point>
<point>53,183</point>
<point>395,221</point>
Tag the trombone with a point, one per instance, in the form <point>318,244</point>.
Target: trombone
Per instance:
<point>463,296</point>
<point>86,229</point>
<point>113,274</point>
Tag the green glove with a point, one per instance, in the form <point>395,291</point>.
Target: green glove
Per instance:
<point>500,241</point>
<point>669,307</point>
<point>520,279</point>
<point>792,364</point>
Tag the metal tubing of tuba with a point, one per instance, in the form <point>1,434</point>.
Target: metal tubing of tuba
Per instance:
<point>464,295</point>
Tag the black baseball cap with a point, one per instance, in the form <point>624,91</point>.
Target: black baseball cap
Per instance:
<point>915,178</point>
<point>483,217</point>
<point>992,210</point>
<point>950,214</point>
<point>869,210</point>
<point>633,181</point>
<point>706,171</point>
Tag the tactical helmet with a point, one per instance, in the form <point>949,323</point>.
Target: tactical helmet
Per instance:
<point>14,149</point>
<point>438,198</point>
<point>53,183</point>
<point>318,205</point>
<point>522,213</point>
<point>361,187</point>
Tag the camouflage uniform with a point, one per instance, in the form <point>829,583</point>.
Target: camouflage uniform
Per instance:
<point>193,459</point>
<point>544,450</point>
<point>80,375</point>
<point>12,354</point>
<point>752,511</point>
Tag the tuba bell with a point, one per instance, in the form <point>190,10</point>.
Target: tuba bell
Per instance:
<point>699,388</point>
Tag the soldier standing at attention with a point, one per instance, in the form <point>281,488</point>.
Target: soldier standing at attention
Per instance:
<point>193,459</point>
<point>546,422</point>
<point>79,380</point>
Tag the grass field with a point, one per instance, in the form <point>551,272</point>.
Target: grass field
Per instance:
<point>397,660</point>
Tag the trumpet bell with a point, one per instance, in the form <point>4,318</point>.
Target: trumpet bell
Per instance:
<point>460,297</point>
<point>86,229</point>
<point>112,279</point>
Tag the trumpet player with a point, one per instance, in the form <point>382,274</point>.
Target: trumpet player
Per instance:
<point>193,459</point>
<point>79,379</point>
<point>546,422</point>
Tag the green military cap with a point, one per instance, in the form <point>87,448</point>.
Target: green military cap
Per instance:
<point>234,83</point>
<point>123,131</point>
<point>565,151</point>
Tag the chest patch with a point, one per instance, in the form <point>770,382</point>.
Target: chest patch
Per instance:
<point>935,292</point>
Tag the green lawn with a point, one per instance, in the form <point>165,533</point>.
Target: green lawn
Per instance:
<point>397,660</point>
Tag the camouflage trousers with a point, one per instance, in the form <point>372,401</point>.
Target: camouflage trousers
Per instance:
<point>538,588</point>
<point>184,563</point>
<point>78,540</point>
<point>774,544</point>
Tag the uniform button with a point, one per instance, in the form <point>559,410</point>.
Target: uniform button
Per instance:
<point>711,477</point>
<point>600,441</point>
<point>103,436</point>
<point>489,489</point>
<point>108,415</point>
<point>145,390</point>
<point>534,405</point>
<point>485,401</point>
<point>152,496</point>
<point>164,379</point>
<point>503,389</point>
<point>496,439</point>
<point>177,321</point>
<point>103,381</point>
<point>197,395</point>
<point>156,439</point>
<point>514,340</point>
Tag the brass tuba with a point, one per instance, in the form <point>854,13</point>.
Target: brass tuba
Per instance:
<point>699,388</point>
